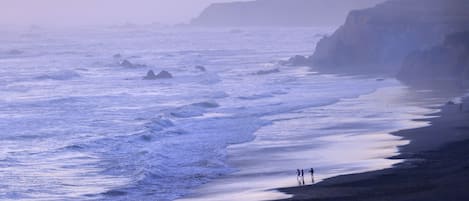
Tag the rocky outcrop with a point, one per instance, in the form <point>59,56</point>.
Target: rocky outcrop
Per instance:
<point>127,64</point>
<point>280,12</point>
<point>150,75</point>
<point>446,62</point>
<point>117,56</point>
<point>162,75</point>
<point>378,39</point>
<point>201,68</point>
<point>297,60</point>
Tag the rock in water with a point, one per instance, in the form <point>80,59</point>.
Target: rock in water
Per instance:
<point>150,75</point>
<point>300,60</point>
<point>117,56</point>
<point>297,60</point>
<point>201,68</point>
<point>126,63</point>
<point>162,75</point>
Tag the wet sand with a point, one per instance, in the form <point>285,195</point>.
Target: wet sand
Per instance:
<point>316,137</point>
<point>436,167</point>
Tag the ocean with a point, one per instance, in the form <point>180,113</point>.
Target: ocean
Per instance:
<point>77,124</point>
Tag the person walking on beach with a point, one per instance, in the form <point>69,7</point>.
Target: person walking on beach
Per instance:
<point>300,177</point>
<point>312,175</point>
<point>302,173</point>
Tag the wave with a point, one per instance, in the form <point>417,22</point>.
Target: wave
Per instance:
<point>266,72</point>
<point>158,124</point>
<point>193,110</point>
<point>60,75</point>
<point>207,104</point>
<point>152,140</point>
<point>256,96</point>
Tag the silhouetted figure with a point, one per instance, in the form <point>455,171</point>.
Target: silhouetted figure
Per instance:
<point>298,172</point>
<point>302,173</point>
<point>301,180</point>
<point>312,175</point>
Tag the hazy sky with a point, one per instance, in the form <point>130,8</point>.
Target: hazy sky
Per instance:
<point>91,12</point>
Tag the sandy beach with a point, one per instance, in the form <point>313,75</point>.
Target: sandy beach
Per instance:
<point>436,166</point>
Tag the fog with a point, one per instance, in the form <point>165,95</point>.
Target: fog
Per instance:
<point>99,12</point>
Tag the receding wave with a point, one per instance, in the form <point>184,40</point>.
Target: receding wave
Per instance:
<point>59,75</point>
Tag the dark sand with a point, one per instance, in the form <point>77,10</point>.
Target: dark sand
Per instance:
<point>436,168</point>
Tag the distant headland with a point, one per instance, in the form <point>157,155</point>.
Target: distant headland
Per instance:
<point>289,13</point>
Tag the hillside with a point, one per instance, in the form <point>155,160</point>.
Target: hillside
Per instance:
<point>280,13</point>
<point>378,39</point>
<point>448,61</point>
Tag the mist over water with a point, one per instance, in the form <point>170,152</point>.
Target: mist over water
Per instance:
<point>82,13</point>
<point>101,12</point>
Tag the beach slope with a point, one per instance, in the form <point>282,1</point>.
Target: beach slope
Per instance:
<point>436,167</point>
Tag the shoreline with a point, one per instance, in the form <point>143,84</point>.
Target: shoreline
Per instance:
<point>372,145</point>
<point>436,167</point>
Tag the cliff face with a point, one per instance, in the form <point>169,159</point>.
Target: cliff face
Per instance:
<point>446,62</point>
<point>379,38</point>
<point>280,12</point>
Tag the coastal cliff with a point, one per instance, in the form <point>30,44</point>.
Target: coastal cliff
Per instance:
<point>378,39</point>
<point>446,62</point>
<point>280,13</point>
